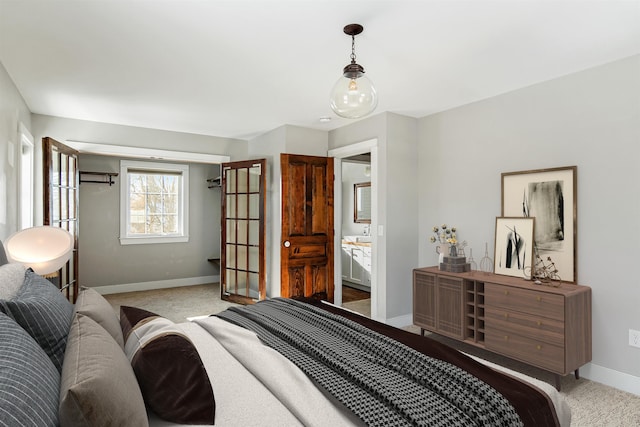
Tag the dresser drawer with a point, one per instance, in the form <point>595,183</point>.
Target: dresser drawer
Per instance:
<point>532,351</point>
<point>540,328</point>
<point>540,304</point>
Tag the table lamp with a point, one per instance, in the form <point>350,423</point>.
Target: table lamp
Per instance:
<point>45,248</point>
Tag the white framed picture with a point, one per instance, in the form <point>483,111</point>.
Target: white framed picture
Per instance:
<point>514,246</point>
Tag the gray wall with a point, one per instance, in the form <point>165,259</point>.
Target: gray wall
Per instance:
<point>397,213</point>
<point>62,129</point>
<point>590,119</point>
<point>103,261</point>
<point>13,111</point>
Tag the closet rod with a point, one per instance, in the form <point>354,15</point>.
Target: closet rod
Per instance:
<point>107,177</point>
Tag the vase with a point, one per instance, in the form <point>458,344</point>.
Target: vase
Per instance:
<point>453,250</point>
<point>442,250</point>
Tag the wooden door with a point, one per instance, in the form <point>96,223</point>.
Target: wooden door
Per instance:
<point>242,268</point>
<point>306,248</point>
<point>61,179</point>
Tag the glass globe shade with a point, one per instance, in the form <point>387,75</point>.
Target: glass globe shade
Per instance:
<point>353,98</point>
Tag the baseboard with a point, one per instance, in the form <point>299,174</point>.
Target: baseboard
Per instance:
<point>400,321</point>
<point>157,284</point>
<point>612,378</point>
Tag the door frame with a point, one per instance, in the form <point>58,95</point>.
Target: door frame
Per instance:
<point>368,146</point>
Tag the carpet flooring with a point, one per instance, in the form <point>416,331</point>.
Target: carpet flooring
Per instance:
<point>592,404</point>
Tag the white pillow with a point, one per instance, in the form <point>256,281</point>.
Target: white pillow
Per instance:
<point>148,331</point>
<point>11,279</point>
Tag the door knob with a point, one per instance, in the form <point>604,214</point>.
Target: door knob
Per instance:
<point>287,243</point>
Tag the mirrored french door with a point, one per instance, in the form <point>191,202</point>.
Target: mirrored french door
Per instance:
<point>243,231</point>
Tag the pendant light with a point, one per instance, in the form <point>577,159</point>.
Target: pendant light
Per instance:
<point>353,96</point>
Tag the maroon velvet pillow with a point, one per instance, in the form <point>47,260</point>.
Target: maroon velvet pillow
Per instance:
<point>130,317</point>
<point>170,372</point>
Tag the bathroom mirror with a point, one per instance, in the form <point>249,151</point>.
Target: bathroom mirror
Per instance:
<point>362,203</point>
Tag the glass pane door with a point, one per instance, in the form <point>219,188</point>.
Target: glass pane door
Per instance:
<point>61,196</point>
<point>243,240</point>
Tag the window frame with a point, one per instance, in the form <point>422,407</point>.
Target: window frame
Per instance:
<point>183,202</point>
<point>26,178</point>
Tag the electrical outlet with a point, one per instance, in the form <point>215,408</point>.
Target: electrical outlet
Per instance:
<point>634,338</point>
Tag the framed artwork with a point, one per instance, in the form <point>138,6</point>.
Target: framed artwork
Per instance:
<point>514,246</point>
<point>549,196</point>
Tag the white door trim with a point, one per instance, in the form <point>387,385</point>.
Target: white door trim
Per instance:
<point>369,146</point>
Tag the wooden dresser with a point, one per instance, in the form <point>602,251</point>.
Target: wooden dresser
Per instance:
<point>543,326</point>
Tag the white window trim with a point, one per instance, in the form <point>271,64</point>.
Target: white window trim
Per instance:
<point>183,204</point>
<point>26,185</point>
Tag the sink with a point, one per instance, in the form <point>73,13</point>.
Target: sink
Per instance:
<point>357,239</point>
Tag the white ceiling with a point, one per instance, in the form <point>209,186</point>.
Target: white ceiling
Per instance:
<point>239,68</point>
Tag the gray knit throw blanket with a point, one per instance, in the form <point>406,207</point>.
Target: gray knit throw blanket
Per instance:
<point>382,381</point>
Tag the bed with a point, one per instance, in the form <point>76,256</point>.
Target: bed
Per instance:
<point>255,365</point>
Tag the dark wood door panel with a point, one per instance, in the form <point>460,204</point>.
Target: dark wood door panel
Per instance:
<point>307,280</point>
<point>307,250</point>
<point>320,201</point>
<point>319,278</point>
<point>296,281</point>
<point>307,226</point>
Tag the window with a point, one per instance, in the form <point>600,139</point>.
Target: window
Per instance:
<point>154,200</point>
<point>26,178</point>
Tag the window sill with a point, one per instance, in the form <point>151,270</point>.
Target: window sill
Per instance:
<point>152,240</point>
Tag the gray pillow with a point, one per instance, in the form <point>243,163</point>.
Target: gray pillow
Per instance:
<point>29,383</point>
<point>3,255</point>
<point>92,304</point>
<point>11,279</point>
<point>43,312</point>
<point>98,386</point>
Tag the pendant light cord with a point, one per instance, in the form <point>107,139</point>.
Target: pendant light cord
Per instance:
<point>353,49</point>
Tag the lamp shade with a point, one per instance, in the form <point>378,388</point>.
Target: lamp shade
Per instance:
<point>353,98</point>
<point>45,249</point>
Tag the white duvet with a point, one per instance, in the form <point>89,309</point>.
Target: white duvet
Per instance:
<point>256,386</point>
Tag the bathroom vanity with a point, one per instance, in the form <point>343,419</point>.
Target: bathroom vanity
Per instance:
<point>356,261</point>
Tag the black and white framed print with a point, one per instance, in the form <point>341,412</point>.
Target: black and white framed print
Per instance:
<point>550,197</point>
<point>514,246</point>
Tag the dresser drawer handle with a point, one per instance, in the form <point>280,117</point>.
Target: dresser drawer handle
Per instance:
<point>539,298</point>
<point>506,292</point>
<point>539,347</point>
<point>506,315</point>
<point>506,337</point>
<point>539,323</point>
